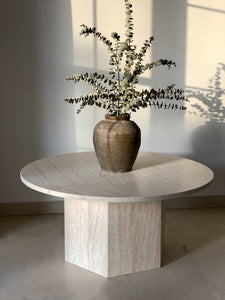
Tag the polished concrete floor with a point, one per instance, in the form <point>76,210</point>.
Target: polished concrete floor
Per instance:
<point>32,265</point>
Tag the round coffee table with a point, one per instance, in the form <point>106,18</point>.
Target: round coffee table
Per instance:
<point>114,221</point>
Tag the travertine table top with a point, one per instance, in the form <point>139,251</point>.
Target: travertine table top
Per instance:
<point>154,177</point>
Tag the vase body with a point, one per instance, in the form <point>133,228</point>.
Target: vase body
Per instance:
<point>116,142</point>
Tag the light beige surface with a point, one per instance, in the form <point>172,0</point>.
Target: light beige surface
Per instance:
<point>32,265</point>
<point>117,239</point>
<point>111,239</point>
<point>154,177</point>
<point>86,235</point>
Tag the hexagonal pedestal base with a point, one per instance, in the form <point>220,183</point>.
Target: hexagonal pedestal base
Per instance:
<point>112,239</point>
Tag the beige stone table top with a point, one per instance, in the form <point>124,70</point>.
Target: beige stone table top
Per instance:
<point>154,177</point>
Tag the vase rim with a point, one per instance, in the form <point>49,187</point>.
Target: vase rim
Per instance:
<point>118,118</point>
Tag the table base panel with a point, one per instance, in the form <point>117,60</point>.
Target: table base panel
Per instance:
<point>112,239</point>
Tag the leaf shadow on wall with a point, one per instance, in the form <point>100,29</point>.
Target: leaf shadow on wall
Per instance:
<point>208,141</point>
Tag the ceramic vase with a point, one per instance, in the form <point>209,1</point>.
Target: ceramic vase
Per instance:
<point>116,141</point>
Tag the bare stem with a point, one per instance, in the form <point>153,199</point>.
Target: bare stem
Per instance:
<point>118,78</point>
<point>118,100</point>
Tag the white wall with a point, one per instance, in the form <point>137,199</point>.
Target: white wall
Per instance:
<point>42,45</point>
<point>36,55</point>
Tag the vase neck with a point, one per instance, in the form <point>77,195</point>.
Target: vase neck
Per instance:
<point>118,118</point>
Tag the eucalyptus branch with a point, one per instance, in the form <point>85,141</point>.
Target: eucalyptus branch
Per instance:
<point>129,22</point>
<point>147,44</point>
<point>92,79</point>
<point>140,69</point>
<point>92,30</point>
<point>99,100</point>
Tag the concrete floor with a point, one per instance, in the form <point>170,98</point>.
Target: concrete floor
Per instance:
<point>32,263</point>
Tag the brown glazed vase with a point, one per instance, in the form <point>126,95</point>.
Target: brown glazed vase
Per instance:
<point>116,142</point>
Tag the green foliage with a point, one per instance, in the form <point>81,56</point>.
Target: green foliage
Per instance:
<point>117,93</point>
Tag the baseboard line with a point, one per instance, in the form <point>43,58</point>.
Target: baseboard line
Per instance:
<point>196,202</point>
<point>32,208</point>
<point>57,207</point>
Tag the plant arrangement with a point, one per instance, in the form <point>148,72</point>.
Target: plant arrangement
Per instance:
<point>117,92</point>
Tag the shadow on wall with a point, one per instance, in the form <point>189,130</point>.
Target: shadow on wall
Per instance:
<point>19,90</point>
<point>32,79</point>
<point>210,104</point>
<point>208,141</point>
<point>167,129</point>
